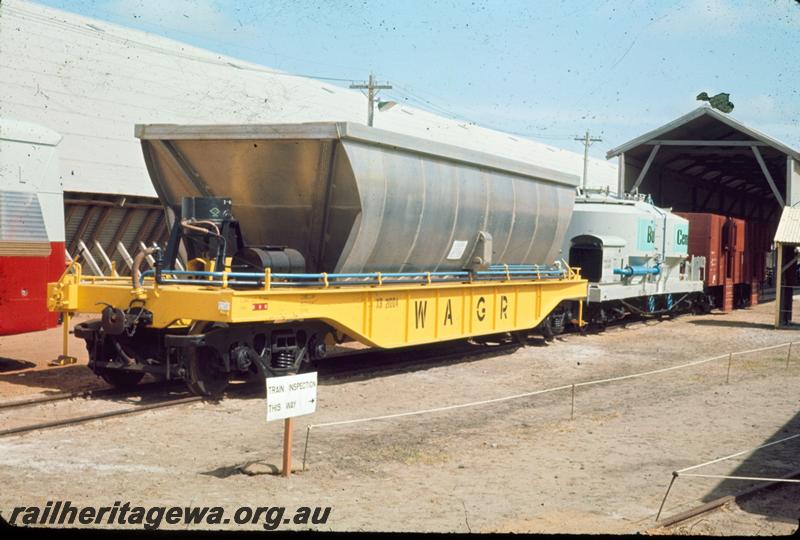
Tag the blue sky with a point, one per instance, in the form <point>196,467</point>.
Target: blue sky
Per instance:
<point>547,70</point>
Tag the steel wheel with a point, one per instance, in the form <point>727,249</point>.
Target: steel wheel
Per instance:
<point>206,376</point>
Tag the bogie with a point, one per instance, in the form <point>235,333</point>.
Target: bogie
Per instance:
<point>205,355</point>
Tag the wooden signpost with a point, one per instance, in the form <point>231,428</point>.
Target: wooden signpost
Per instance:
<point>287,397</point>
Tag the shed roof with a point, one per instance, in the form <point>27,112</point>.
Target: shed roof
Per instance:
<point>728,168</point>
<point>789,226</point>
<point>687,126</point>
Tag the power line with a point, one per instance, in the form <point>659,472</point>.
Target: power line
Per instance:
<point>426,104</point>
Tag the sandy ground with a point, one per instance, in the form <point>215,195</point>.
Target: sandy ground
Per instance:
<point>515,466</point>
<point>24,369</point>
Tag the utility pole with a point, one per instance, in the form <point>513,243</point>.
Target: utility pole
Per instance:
<point>371,86</point>
<point>587,142</point>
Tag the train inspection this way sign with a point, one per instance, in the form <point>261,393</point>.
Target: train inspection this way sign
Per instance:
<point>291,395</point>
<point>287,397</point>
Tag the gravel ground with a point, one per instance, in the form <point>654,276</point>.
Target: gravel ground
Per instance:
<point>516,466</point>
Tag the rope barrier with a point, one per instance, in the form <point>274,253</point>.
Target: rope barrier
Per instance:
<point>652,372</point>
<point>755,478</point>
<point>681,472</point>
<point>445,408</point>
<point>571,387</point>
<point>761,349</point>
<point>737,454</point>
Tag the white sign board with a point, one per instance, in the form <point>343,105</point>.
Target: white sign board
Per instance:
<point>457,250</point>
<point>291,395</point>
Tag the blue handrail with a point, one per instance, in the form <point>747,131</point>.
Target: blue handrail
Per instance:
<point>495,272</point>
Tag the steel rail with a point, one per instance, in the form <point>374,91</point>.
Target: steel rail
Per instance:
<point>99,416</point>
<point>85,394</point>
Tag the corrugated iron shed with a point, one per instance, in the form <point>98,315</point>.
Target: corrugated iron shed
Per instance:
<point>92,81</point>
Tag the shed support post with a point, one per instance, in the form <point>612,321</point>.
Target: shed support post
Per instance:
<point>621,175</point>
<point>778,284</point>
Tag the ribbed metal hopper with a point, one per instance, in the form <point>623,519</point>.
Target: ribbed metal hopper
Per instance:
<point>357,199</point>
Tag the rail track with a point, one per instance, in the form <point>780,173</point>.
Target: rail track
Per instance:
<point>336,369</point>
<point>82,394</point>
<point>97,416</point>
<point>15,414</point>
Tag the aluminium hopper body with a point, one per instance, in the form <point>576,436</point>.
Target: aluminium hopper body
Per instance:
<point>353,198</point>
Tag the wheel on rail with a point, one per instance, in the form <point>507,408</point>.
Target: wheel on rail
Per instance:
<point>124,380</point>
<point>546,329</point>
<point>205,373</point>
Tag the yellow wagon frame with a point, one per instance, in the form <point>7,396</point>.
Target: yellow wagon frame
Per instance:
<point>380,315</point>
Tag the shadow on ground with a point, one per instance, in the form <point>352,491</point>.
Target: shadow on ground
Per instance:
<point>9,364</point>
<point>732,324</point>
<point>372,363</point>
<point>55,379</point>
<point>781,502</point>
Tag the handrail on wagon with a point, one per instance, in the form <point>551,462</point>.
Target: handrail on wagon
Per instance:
<point>268,279</point>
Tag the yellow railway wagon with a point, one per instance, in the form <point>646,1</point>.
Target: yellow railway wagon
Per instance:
<point>204,330</point>
<point>285,239</point>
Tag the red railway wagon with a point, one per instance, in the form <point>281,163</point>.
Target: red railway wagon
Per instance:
<point>735,253</point>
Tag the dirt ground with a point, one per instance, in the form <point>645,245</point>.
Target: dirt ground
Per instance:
<point>515,466</point>
<point>24,369</point>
